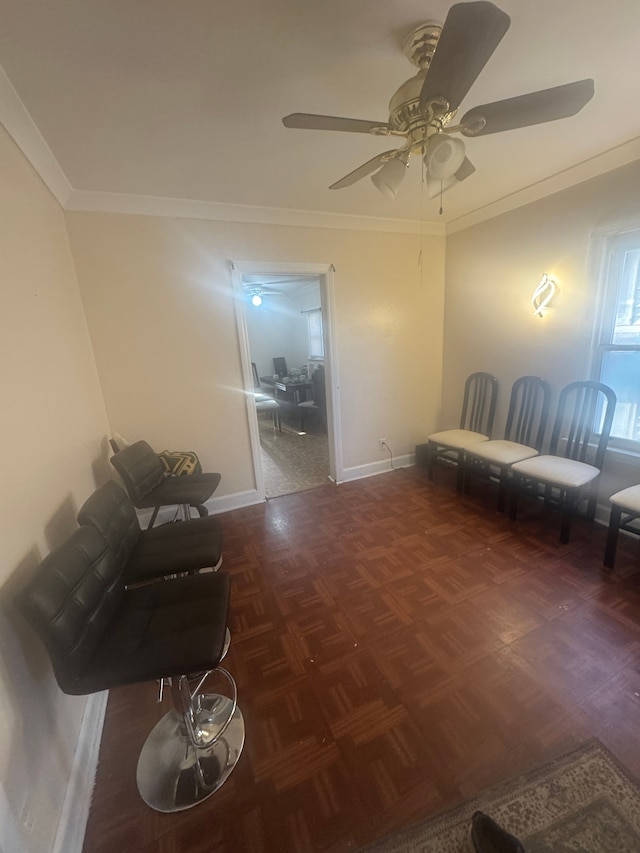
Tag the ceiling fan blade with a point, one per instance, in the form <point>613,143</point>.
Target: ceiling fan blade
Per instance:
<point>271,281</point>
<point>466,170</point>
<point>308,121</point>
<point>525,110</point>
<point>435,187</point>
<point>470,34</point>
<point>364,170</point>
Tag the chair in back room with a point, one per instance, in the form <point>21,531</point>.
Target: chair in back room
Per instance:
<point>265,405</point>
<point>317,406</point>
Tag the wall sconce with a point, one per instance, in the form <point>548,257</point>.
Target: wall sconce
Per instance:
<point>543,295</point>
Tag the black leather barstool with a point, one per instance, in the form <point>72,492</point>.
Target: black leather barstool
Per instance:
<point>100,634</point>
<point>156,553</point>
<point>148,485</point>
<point>147,555</point>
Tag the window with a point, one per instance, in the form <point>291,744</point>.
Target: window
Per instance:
<point>617,354</point>
<point>314,329</point>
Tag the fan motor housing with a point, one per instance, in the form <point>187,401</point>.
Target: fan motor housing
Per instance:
<point>420,44</point>
<point>407,117</point>
<point>406,114</point>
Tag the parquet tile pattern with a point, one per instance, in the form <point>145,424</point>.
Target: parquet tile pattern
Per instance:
<point>398,647</point>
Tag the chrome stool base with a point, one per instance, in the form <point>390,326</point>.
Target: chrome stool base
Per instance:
<point>173,774</point>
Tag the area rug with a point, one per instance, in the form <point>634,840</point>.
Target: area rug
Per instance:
<point>584,802</point>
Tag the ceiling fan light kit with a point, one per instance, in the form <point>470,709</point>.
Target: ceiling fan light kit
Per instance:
<point>449,60</point>
<point>444,156</point>
<point>389,178</point>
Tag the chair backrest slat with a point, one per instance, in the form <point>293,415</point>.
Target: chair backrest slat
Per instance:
<point>528,411</point>
<point>479,403</point>
<point>574,433</point>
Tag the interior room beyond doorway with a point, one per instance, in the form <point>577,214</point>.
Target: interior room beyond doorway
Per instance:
<point>284,328</point>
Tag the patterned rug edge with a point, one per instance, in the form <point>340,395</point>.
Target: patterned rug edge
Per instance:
<point>408,839</point>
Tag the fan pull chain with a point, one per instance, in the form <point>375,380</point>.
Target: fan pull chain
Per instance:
<point>441,209</point>
<point>422,183</point>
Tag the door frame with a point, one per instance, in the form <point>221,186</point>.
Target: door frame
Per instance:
<point>325,273</point>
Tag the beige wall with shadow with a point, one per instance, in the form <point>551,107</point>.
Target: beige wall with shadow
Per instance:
<point>52,427</point>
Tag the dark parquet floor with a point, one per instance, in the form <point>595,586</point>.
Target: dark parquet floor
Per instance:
<point>398,648</point>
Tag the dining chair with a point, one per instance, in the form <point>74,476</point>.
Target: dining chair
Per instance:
<point>625,515</point>
<point>523,436</point>
<point>569,472</point>
<point>265,405</point>
<point>317,406</point>
<point>476,423</point>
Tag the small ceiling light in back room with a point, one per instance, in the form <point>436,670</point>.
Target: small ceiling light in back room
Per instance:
<point>256,299</point>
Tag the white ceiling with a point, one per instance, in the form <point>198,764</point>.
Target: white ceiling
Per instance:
<point>184,100</point>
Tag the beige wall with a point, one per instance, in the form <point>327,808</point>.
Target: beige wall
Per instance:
<point>491,271</point>
<point>52,431</point>
<point>160,307</point>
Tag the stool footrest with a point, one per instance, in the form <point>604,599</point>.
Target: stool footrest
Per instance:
<point>172,774</point>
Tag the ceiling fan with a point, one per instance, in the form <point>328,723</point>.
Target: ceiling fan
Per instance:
<point>449,58</point>
<point>257,291</point>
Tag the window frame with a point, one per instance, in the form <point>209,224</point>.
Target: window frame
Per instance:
<point>613,246</point>
<point>314,316</point>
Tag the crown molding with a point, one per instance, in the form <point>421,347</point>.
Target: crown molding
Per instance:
<point>104,202</point>
<point>22,129</point>
<point>607,161</point>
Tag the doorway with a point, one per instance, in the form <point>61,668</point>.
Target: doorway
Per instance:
<point>285,329</point>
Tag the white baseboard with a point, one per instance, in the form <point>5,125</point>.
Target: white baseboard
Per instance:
<point>77,801</point>
<point>359,472</point>
<point>214,505</point>
<point>236,501</point>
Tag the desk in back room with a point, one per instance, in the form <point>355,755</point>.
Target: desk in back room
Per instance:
<point>292,392</point>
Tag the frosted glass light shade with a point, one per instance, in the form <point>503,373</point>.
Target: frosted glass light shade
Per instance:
<point>444,156</point>
<point>389,178</point>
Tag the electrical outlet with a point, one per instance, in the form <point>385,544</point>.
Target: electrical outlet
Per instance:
<point>381,443</point>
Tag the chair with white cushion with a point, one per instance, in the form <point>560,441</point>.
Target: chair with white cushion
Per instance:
<point>523,436</point>
<point>476,423</point>
<point>625,512</point>
<point>576,454</point>
<point>317,406</point>
<point>264,403</point>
